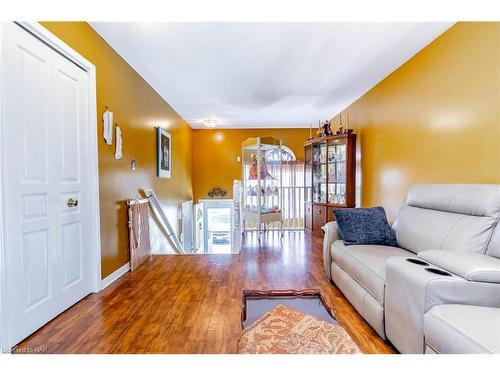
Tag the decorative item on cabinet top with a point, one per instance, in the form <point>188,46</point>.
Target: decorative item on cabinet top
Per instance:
<point>329,176</point>
<point>325,128</point>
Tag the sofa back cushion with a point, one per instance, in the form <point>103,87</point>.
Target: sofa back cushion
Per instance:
<point>467,199</point>
<point>448,217</point>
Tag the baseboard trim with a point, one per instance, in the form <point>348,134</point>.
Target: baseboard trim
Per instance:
<point>110,279</point>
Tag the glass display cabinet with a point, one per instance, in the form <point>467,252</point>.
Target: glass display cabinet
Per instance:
<point>330,177</point>
<point>262,184</point>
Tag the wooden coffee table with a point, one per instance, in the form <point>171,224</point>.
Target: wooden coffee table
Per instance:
<point>291,322</point>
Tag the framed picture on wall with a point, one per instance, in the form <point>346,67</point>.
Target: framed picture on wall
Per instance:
<point>163,153</point>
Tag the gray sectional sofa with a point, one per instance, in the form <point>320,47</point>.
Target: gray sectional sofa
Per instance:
<point>448,254</point>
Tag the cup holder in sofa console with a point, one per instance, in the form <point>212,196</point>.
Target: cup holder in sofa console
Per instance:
<point>417,261</point>
<point>438,272</point>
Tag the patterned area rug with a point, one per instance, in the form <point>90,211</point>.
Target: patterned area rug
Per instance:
<point>283,330</point>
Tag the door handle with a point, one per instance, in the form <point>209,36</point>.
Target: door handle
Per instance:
<point>72,202</point>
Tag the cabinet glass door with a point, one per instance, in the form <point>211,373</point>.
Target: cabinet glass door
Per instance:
<point>308,174</point>
<point>337,173</point>
<point>319,171</point>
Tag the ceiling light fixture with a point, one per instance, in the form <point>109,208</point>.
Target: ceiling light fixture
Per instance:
<point>210,122</point>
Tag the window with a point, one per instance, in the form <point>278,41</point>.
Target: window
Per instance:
<point>292,199</point>
<point>286,155</point>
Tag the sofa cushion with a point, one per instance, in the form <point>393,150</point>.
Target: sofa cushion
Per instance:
<point>366,264</point>
<point>448,217</point>
<point>364,226</point>
<point>462,329</point>
<point>419,229</point>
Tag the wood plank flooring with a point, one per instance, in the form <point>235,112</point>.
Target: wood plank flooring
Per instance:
<point>191,303</point>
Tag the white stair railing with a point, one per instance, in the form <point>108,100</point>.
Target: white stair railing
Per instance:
<point>158,210</point>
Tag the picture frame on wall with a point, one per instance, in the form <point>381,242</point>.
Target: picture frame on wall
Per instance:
<point>163,153</point>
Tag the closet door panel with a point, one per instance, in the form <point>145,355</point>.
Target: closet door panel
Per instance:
<point>72,171</point>
<point>30,235</point>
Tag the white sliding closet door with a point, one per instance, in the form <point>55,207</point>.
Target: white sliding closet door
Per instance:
<point>46,182</point>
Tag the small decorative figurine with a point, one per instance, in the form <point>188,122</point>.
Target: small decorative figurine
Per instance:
<point>320,130</point>
<point>343,130</point>
<point>348,130</point>
<point>326,129</point>
<point>217,193</point>
<point>252,173</point>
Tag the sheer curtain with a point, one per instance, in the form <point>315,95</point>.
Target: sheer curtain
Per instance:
<point>293,194</point>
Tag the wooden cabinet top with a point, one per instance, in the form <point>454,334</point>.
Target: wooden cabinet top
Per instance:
<point>330,138</point>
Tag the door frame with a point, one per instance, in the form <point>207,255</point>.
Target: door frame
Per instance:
<point>215,203</point>
<point>94,243</point>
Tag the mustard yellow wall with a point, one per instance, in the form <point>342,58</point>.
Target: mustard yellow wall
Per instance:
<point>434,120</point>
<point>138,109</point>
<point>215,152</point>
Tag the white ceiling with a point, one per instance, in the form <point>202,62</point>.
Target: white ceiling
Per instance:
<point>259,75</point>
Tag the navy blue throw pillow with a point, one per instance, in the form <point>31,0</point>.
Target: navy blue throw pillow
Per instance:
<point>364,226</point>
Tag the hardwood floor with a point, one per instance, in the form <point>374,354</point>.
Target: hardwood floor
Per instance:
<point>191,303</point>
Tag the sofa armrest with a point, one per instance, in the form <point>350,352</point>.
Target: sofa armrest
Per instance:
<point>470,266</point>
<point>411,291</point>
<point>331,235</point>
